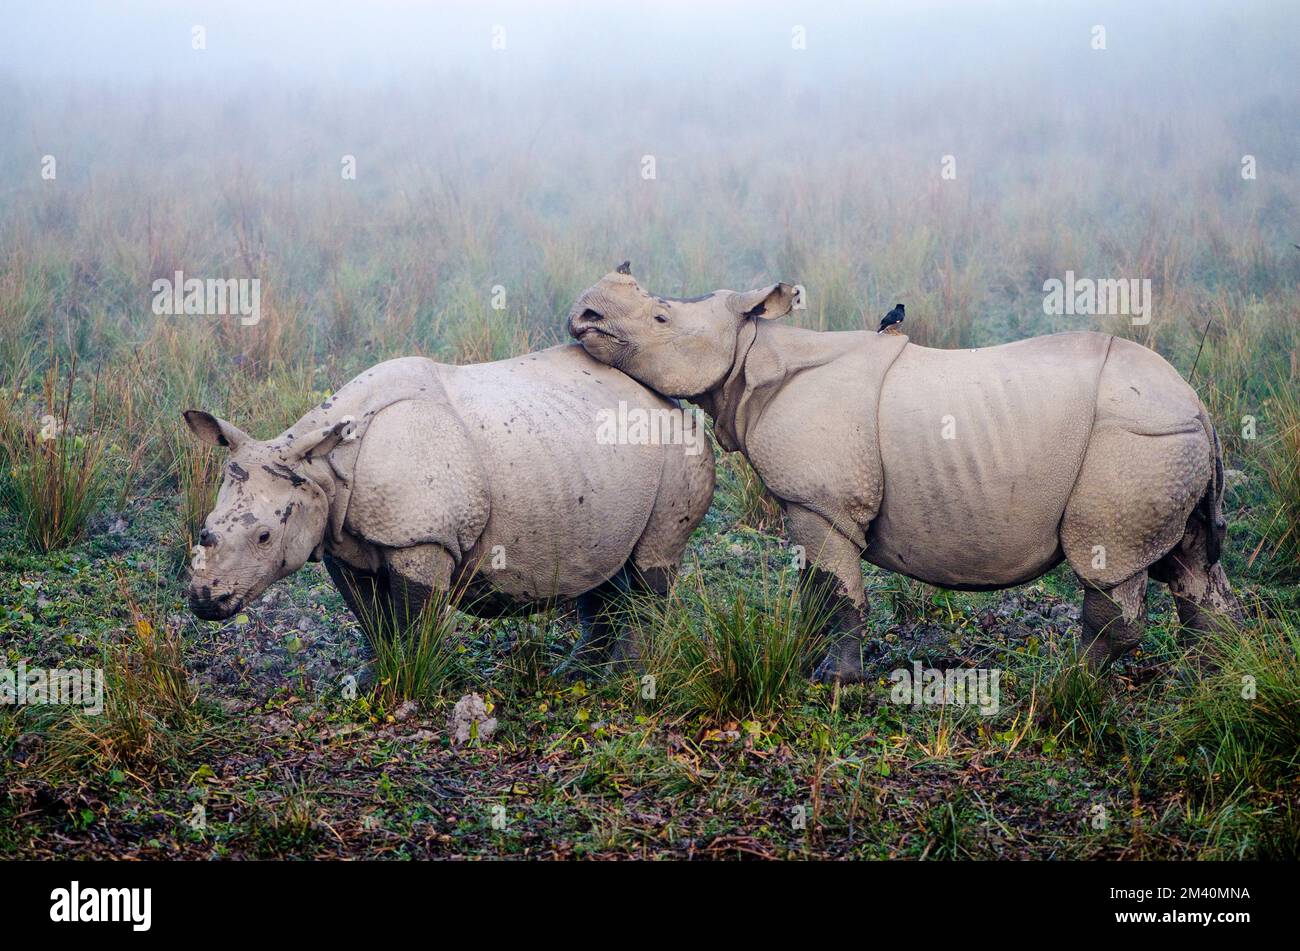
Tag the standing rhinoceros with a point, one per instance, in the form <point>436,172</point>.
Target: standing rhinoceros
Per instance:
<point>969,469</point>
<point>492,479</point>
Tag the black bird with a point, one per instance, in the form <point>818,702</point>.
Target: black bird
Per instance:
<point>893,318</point>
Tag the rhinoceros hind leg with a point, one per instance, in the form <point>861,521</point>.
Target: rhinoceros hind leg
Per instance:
<point>1113,619</point>
<point>609,636</point>
<point>831,587</point>
<point>1201,592</point>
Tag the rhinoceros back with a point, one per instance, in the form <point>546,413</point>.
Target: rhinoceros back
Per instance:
<point>980,451</point>
<point>567,506</point>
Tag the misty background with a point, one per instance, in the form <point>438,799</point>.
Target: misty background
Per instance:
<point>522,167</point>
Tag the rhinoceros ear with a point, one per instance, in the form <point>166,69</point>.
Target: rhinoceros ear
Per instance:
<point>765,302</point>
<point>322,441</point>
<point>214,431</point>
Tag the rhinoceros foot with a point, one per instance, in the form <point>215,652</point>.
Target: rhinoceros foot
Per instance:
<point>593,659</point>
<point>852,660</point>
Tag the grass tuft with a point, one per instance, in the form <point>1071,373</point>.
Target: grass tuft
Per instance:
<point>150,715</point>
<point>416,658</point>
<point>734,656</point>
<point>1241,722</point>
<point>1077,705</point>
<point>56,475</point>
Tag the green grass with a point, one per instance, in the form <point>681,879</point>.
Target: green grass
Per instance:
<point>57,469</point>
<point>151,713</point>
<point>742,493</point>
<point>1240,722</point>
<point>1078,705</point>
<point>416,657</point>
<point>1282,470</point>
<point>733,655</point>
<point>198,475</point>
<point>247,716</point>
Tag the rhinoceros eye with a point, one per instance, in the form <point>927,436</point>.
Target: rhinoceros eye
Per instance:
<point>263,538</point>
<point>663,319</point>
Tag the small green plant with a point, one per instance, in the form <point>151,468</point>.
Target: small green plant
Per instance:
<point>734,656</point>
<point>946,828</point>
<point>291,825</point>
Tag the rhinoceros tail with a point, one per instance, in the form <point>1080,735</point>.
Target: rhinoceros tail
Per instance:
<point>1210,508</point>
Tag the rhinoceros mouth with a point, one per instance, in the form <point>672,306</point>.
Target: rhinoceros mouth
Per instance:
<point>215,609</point>
<point>587,331</point>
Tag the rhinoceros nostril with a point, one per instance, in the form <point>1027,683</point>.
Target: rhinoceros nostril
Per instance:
<point>207,539</point>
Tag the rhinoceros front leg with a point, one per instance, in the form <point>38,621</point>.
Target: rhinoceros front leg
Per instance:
<point>1113,619</point>
<point>414,574</point>
<point>366,595</point>
<point>831,587</point>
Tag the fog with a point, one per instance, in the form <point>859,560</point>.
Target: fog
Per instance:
<point>961,151</point>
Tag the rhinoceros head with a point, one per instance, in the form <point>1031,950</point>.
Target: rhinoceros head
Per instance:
<point>270,517</point>
<point>677,347</point>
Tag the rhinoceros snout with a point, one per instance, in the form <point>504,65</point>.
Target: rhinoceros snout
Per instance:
<point>210,608</point>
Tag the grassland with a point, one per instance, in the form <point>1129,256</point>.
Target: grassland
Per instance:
<point>249,719</point>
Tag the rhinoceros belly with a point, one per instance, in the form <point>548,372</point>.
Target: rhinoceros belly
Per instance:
<point>568,502</point>
<point>980,451</point>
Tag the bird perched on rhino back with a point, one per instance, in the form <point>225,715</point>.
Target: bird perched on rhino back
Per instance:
<point>889,323</point>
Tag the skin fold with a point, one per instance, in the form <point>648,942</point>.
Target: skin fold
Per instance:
<point>490,480</point>
<point>970,469</point>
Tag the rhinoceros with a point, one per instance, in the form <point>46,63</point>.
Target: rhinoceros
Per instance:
<point>502,481</point>
<point>970,469</point>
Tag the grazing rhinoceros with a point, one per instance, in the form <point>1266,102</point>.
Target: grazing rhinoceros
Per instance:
<point>969,469</point>
<point>493,479</point>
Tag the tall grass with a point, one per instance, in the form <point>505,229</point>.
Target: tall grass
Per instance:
<point>57,469</point>
<point>733,655</point>
<point>416,657</point>
<point>745,496</point>
<point>1282,469</point>
<point>1239,724</point>
<point>198,478</point>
